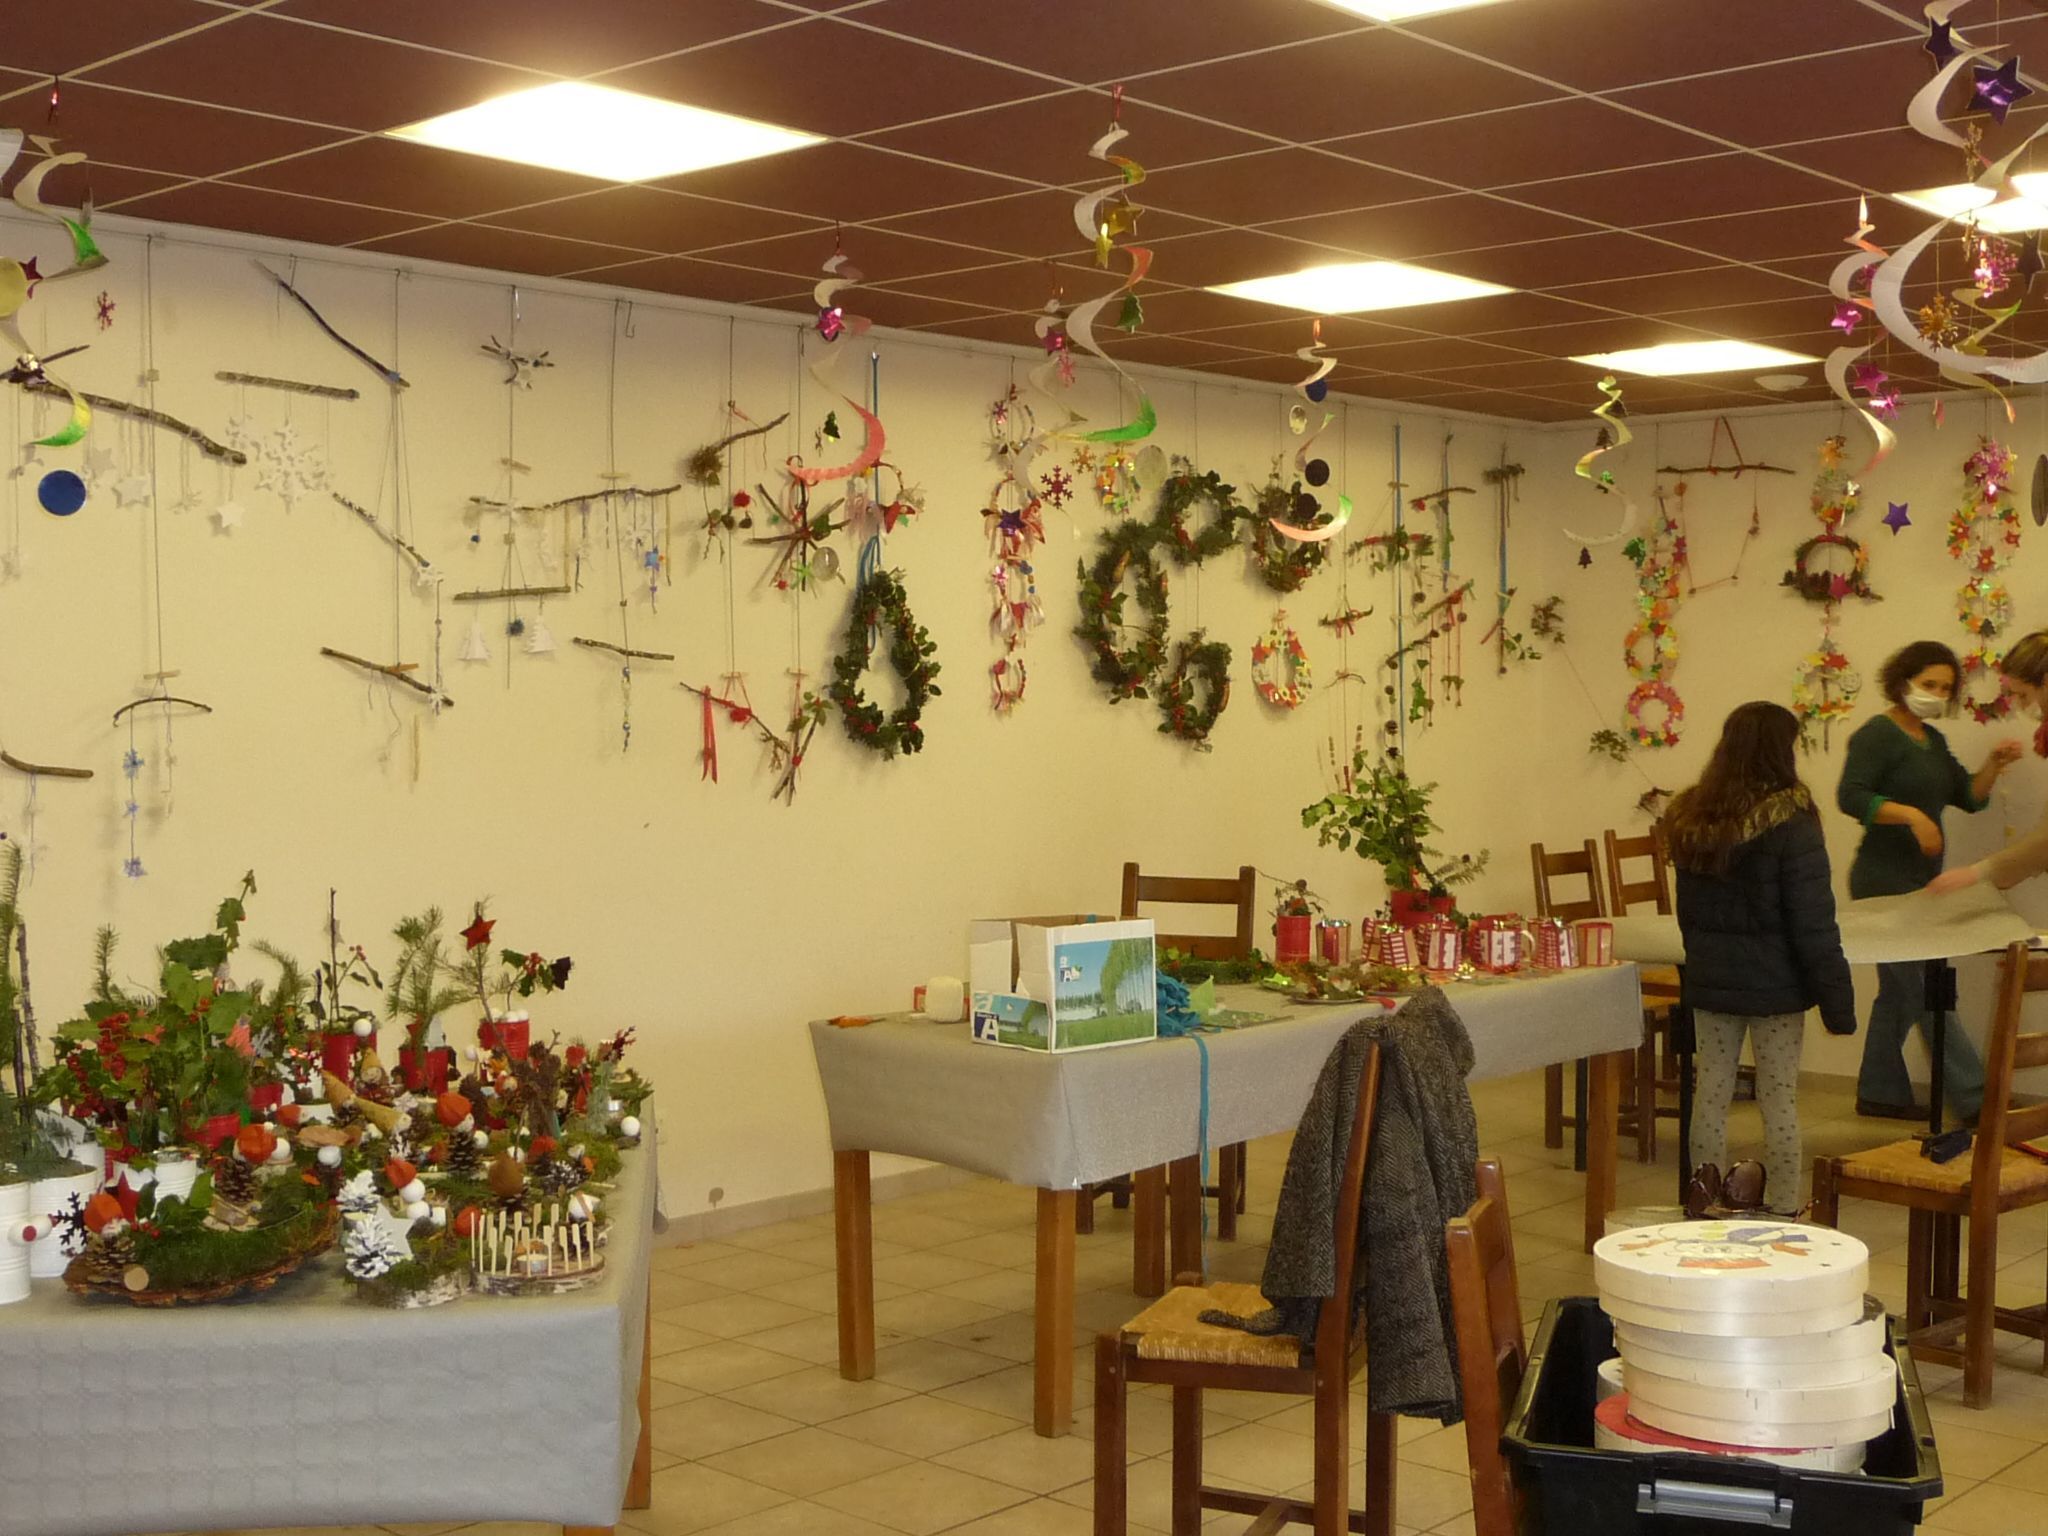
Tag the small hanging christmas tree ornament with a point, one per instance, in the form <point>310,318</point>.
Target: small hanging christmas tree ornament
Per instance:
<point>474,646</point>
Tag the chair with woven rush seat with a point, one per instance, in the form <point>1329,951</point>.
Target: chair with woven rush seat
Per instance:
<point>1583,861</point>
<point>1486,1305</point>
<point>1657,1061</point>
<point>1239,893</point>
<point>1167,1343</point>
<point>1996,1177</point>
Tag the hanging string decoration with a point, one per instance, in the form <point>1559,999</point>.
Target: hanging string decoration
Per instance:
<point>1194,694</point>
<point>1845,368</point>
<point>1015,525</point>
<point>1124,657</point>
<point>1824,686</point>
<point>20,279</point>
<point>1101,215</point>
<point>1283,562</point>
<point>1651,648</point>
<point>1305,508</point>
<point>1984,535</point>
<point>1280,669</point>
<point>879,603</point>
<point>841,332</point>
<point>1614,435</point>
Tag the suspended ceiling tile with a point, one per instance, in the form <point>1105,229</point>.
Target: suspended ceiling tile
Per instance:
<point>1180,352</point>
<point>1005,285</point>
<point>1770,234</point>
<point>62,39</point>
<point>312,74</point>
<point>843,181</point>
<point>1570,258</point>
<point>1462,221</point>
<point>1001,328</point>
<point>1274,184</point>
<point>109,186</point>
<point>507,250</point>
<point>1691,189</point>
<point>1521,373</point>
<point>1805,318</point>
<point>1046,140</point>
<point>650,219</point>
<point>1349,83</point>
<point>1667,293</point>
<point>696,279</point>
<point>1288,331</point>
<point>886,258</point>
<point>1084,40</point>
<point>175,137</point>
<point>434,182</point>
<point>223,205</point>
<point>1537,142</point>
<point>546,34</point>
<point>824,77</point>
<point>1029,224</point>
<point>1234,255</point>
<point>1426,354</point>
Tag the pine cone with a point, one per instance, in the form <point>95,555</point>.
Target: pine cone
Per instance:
<point>235,1182</point>
<point>556,1175</point>
<point>108,1255</point>
<point>465,1159</point>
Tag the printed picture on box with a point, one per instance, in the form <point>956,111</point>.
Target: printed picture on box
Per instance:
<point>1103,989</point>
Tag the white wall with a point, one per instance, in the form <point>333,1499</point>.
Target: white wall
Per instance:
<point>708,918</point>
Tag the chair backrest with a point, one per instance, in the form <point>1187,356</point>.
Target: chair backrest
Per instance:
<point>1486,1309</point>
<point>1240,893</point>
<point>1623,893</point>
<point>1334,1341</point>
<point>1583,860</point>
<point>2007,1051</point>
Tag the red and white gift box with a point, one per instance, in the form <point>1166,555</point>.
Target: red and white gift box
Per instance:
<point>1557,945</point>
<point>1443,946</point>
<point>1500,942</point>
<point>1596,942</point>
<point>1392,945</point>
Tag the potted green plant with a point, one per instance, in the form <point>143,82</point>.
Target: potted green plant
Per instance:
<point>420,989</point>
<point>1383,815</point>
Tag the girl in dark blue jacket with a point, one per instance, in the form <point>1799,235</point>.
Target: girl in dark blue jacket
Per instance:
<point>1761,946</point>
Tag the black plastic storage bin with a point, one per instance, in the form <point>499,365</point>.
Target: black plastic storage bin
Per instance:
<point>1571,1489</point>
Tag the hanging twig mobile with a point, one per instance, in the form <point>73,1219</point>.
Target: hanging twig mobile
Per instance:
<point>803,559</point>
<point>132,761</point>
<point>390,376</point>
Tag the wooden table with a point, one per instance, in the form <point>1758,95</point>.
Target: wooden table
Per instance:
<point>1056,1122</point>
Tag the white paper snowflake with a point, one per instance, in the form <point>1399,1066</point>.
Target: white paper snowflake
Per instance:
<point>290,467</point>
<point>244,433</point>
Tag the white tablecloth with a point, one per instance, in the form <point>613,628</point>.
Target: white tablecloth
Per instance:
<point>1882,930</point>
<point>1060,1121</point>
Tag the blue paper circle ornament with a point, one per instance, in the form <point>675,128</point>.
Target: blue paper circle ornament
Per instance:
<point>1318,390</point>
<point>61,492</point>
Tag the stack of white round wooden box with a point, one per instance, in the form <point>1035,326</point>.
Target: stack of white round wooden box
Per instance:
<point>1748,1337</point>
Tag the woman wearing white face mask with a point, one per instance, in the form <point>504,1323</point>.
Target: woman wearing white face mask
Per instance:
<point>1898,777</point>
<point>2025,670</point>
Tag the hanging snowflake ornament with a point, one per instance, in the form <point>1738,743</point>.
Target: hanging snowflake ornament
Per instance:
<point>291,468</point>
<point>244,433</point>
<point>1057,486</point>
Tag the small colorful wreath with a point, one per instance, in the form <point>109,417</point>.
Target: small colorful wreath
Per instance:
<point>1823,686</point>
<point>1829,586</point>
<point>1984,606</point>
<point>1199,662</point>
<point>1663,650</point>
<point>1127,548</point>
<point>1183,492</point>
<point>1985,553</point>
<point>1666,734</point>
<point>1282,563</point>
<point>879,602</point>
<point>1978,661</point>
<point>1281,641</point>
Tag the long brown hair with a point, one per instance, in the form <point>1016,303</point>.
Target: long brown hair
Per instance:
<point>1753,761</point>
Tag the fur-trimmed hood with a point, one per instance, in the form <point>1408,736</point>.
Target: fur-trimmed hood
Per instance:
<point>1774,810</point>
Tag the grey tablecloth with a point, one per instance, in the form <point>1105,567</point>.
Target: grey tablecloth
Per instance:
<point>1057,1122</point>
<point>307,1407</point>
<point>1882,930</point>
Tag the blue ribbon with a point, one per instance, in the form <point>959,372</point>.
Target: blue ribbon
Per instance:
<point>1178,1020</point>
<point>870,562</point>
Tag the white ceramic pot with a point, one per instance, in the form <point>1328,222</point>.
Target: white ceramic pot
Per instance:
<point>47,1198</point>
<point>14,1215</point>
<point>176,1173</point>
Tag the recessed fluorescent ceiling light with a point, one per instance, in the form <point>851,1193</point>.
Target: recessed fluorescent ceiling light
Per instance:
<point>1347,287</point>
<point>1951,200</point>
<point>1403,10</point>
<point>1993,217</point>
<point>593,130</point>
<point>1694,357</point>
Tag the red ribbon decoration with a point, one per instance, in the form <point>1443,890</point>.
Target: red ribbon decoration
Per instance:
<point>710,753</point>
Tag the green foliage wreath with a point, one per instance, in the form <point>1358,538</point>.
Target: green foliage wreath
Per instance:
<point>1128,548</point>
<point>879,602</point>
<point>1194,695</point>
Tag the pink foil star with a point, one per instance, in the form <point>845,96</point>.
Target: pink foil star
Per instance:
<point>1845,318</point>
<point>1867,377</point>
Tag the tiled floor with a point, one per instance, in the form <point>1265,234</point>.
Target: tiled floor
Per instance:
<point>756,1435</point>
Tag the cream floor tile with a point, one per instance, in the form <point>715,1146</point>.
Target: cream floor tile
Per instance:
<point>922,1426</point>
<point>1148,1425</point>
<point>815,1340</point>
<point>820,1292</point>
<point>661,1394</point>
<point>1148,1496</point>
<point>1012,1249</point>
<point>927,1315</point>
<point>1009,1392</point>
<point>741,1270</point>
<point>818,1248</point>
<point>702,1428</point>
<point>778,1234</point>
<point>1953,1488</point>
<point>1040,1517</point>
<point>422,1530</point>
<point>920,1498</point>
<point>1248,1405</point>
<point>799,1518</point>
<point>1458,1525</point>
<point>1009,1289</point>
<point>806,1462</point>
<point>681,1258</point>
<point>1008,1335</point>
<point>1261,1458</point>
<point>1025,1459</point>
<point>1444,1449</point>
<point>721,1366</point>
<point>1423,1497</point>
<point>928,1269</point>
<point>506,1528</point>
<point>1996,1509</point>
<point>913,1230</point>
<point>666,1338</point>
<point>1967,1451</point>
<point>671,1288</point>
<point>816,1394</point>
<point>2029,1472</point>
<point>692,1498</point>
<point>924,1364</point>
<point>735,1316</point>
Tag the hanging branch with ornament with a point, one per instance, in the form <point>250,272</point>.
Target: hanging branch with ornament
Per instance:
<point>1984,535</point>
<point>1824,686</point>
<point>1014,523</point>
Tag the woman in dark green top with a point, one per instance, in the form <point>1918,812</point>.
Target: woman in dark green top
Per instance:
<point>1898,778</point>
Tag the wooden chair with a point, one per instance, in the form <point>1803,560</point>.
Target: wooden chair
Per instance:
<point>1486,1310</point>
<point>1958,1329</point>
<point>1583,861</point>
<point>1656,1060</point>
<point>1167,1344</point>
<point>1240,894</point>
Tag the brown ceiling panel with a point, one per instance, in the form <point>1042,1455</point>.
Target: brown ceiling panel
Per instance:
<point>1027,224</point>
<point>508,250</point>
<point>171,136</point>
<point>394,174</point>
<point>1807,318</point>
<point>1399,387</point>
<point>1046,140</point>
<point>1688,189</point>
<point>1426,354</point>
<point>1584,336</point>
<point>1289,331</point>
<point>1085,40</point>
<point>824,77</point>
<point>223,205</point>
<point>903,311</point>
<point>61,39</point>
<point>1522,373</point>
<point>651,219</point>
<point>110,186</point>
<point>1670,292</point>
<point>1772,235</point>
<point>695,279</point>
<point>1463,221</point>
<point>887,258</point>
<point>1184,352</point>
<point>1004,285</point>
<point>546,35</point>
<point>1490,316</point>
<point>1896,159</point>
<point>1596,45</point>
<point>1267,367</point>
<point>843,181</point>
<point>1351,83</point>
<point>1279,184</point>
<point>1542,263</point>
<point>312,74</point>
<point>1004,329</point>
<point>1571,136</point>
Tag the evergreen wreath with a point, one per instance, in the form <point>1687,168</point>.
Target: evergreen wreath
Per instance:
<point>1282,563</point>
<point>1183,492</point>
<point>1123,671</point>
<point>879,601</point>
<point>1829,586</point>
<point>1198,662</point>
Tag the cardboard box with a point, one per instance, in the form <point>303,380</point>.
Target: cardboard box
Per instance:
<point>1038,983</point>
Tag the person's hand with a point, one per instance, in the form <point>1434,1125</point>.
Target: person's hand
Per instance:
<point>2007,752</point>
<point>1955,880</point>
<point>1926,832</point>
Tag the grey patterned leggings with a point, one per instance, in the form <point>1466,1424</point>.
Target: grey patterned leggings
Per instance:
<point>1775,1039</point>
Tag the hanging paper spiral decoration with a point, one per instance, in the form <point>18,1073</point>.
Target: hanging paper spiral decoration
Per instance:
<point>841,332</point>
<point>1615,429</point>
<point>1100,216</point>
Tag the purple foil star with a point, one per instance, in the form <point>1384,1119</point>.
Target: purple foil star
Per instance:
<point>1867,377</point>
<point>1998,89</point>
<point>1845,318</point>
<point>1896,518</point>
<point>1940,43</point>
<point>1885,402</point>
